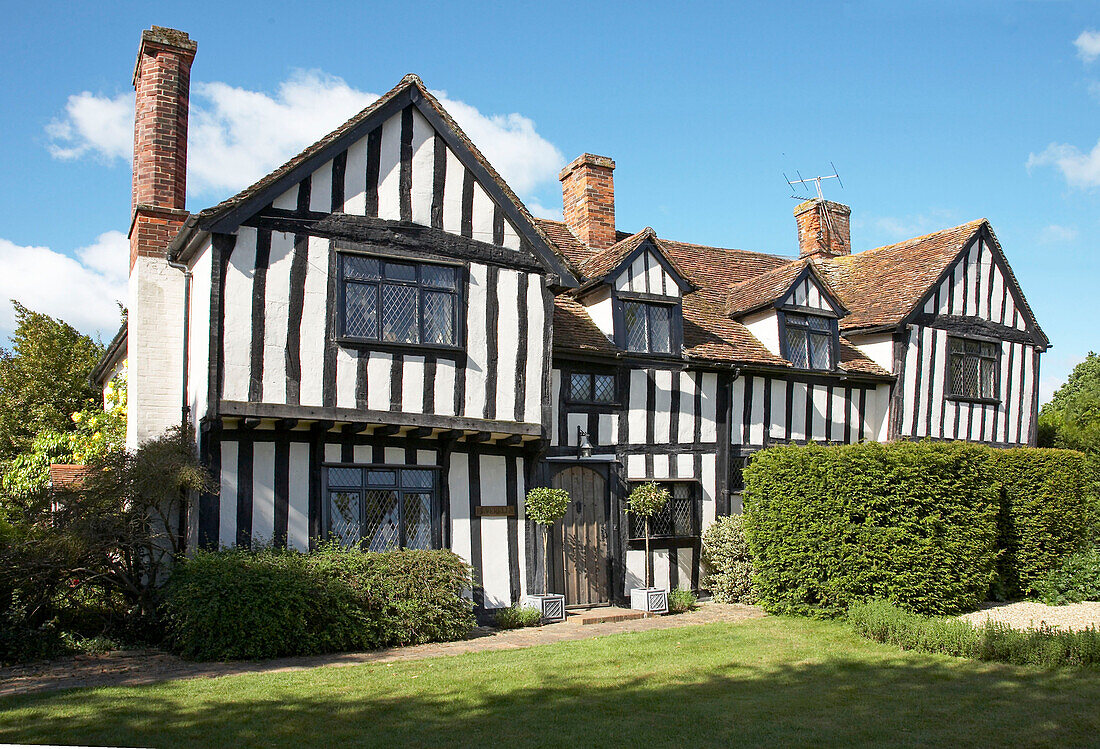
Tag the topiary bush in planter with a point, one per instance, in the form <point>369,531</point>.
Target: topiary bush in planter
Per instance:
<point>645,501</point>
<point>545,506</point>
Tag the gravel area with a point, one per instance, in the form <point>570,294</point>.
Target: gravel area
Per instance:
<point>1030,615</point>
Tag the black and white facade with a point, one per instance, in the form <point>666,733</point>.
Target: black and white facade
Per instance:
<point>384,348</point>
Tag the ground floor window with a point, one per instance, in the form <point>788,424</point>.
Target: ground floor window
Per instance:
<point>381,507</point>
<point>678,519</point>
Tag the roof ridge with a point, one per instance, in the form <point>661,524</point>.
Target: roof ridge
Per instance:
<point>976,223</point>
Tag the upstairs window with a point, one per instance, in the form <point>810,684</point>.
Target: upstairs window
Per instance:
<point>398,302</point>
<point>810,340</point>
<point>973,369</point>
<point>585,387</point>
<point>648,327</point>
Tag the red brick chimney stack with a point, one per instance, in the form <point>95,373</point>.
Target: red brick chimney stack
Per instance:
<point>824,229</point>
<point>588,199</point>
<point>162,80</point>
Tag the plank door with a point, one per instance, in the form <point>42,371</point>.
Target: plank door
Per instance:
<point>581,538</point>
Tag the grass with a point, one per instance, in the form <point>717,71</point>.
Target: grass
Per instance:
<point>772,681</point>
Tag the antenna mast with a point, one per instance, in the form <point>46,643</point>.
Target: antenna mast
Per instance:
<point>803,181</point>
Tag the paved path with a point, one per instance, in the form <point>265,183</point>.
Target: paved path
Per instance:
<point>135,667</point>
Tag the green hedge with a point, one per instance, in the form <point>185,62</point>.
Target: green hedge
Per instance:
<point>237,604</point>
<point>934,527</point>
<point>1047,512</point>
<point>915,523</point>
<point>994,641</point>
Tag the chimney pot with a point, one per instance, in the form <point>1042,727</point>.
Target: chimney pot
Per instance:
<point>824,229</point>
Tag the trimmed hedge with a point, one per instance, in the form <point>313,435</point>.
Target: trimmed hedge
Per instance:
<point>994,641</point>
<point>238,604</point>
<point>931,526</point>
<point>1047,512</point>
<point>915,523</point>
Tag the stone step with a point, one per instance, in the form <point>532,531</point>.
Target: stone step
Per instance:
<point>603,614</point>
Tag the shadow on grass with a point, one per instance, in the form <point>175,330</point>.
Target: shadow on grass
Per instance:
<point>634,694</point>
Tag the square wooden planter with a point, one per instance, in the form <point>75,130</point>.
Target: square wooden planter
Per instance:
<point>652,600</point>
<point>551,605</point>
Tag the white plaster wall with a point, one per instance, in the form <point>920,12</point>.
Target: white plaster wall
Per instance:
<point>155,349</point>
<point>879,348</point>
<point>764,326</point>
<point>599,309</point>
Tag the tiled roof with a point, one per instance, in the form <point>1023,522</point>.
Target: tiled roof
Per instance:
<point>67,475</point>
<point>763,289</point>
<point>881,286</point>
<point>574,329</point>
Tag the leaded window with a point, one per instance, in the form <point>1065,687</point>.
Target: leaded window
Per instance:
<point>399,302</point>
<point>809,340</point>
<point>381,507</point>
<point>648,327</point>
<point>679,518</point>
<point>973,369</point>
<point>585,387</point>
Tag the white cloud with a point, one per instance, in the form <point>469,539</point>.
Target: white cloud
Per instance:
<point>237,135</point>
<point>896,228</point>
<point>82,291</point>
<point>1088,45</point>
<point>1056,234</point>
<point>1080,169</point>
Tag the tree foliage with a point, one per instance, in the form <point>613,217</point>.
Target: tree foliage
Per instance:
<point>546,506</point>
<point>1072,418</point>
<point>645,501</point>
<point>43,379</point>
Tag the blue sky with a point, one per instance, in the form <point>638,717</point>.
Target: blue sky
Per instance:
<point>934,114</point>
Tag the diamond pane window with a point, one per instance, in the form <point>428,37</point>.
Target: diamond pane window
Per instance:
<point>344,518</point>
<point>604,386</point>
<point>973,368</point>
<point>418,521</point>
<point>439,312</point>
<point>382,508</point>
<point>634,317</point>
<point>408,303</point>
<point>399,319</point>
<point>677,519</point>
<point>438,276</point>
<point>580,387</point>
<point>809,340</point>
<point>361,310</point>
<point>648,327</point>
<point>382,521</point>
<point>357,267</point>
<point>660,329</point>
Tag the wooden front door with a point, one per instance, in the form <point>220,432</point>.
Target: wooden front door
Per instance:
<point>579,551</point>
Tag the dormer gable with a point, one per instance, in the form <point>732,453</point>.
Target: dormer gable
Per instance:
<point>797,285</point>
<point>637,264</point>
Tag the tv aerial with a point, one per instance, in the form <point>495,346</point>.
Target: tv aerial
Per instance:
<point>802,182</point>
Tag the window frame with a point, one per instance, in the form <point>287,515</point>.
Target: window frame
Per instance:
<point>591,374</point>
<point>833,334</point>
<point>459,316</point>
<point>675,328</point>
<point>436,501</point>
<point>695,500</point>
<point>996,359</point>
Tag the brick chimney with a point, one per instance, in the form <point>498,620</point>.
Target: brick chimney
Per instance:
<point>588,199</point>
<point>162,79</point>
<point>824,230</point>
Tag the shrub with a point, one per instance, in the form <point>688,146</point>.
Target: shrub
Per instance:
<point>645,501</point>
<point>881,621</point>
<point>1076,580</point>
<point>238,604</point>
<point>914,523</point>
<point>518,616</point>
<point>1047,512</point>
<point>727,561</point>
<point>681,600</point>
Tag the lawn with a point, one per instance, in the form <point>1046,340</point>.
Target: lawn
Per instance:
<point>769,681</point>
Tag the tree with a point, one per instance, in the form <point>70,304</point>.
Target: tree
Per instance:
<point>43,379</point>
<point>546,506</point>
<point>1072,418</point>
<point>646,501</point>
